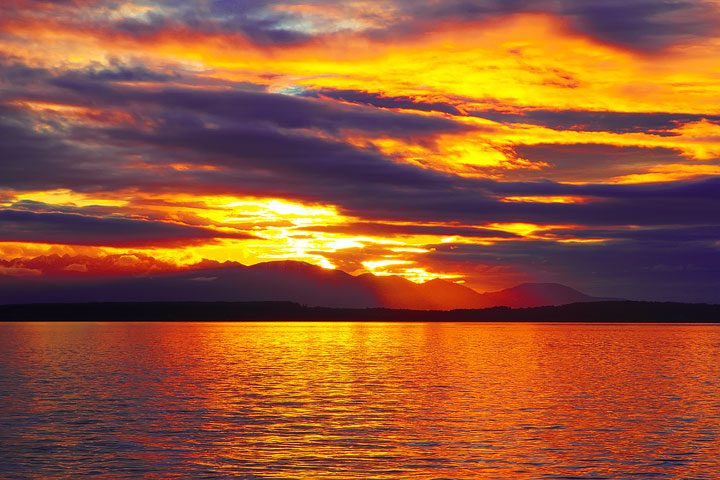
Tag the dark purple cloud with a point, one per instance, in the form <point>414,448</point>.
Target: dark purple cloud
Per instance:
<point>592,162</point>
<point>683,235</point>
<point>655,123</point>
<point>588,121</point>
<point>377,100</point>
<point>25,153</point>
<point>384,229</point>
<point>474,202</point>
<point>645,24</point>
<point>119,72</point>
<point>75,229</point>
<point>285,111</point>
<point>635,24</point>
<point>292,155</point>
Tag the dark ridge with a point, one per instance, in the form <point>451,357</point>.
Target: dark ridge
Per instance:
<point>610,312</point>
<point>286,280</point>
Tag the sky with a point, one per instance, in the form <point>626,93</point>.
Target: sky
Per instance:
<point>483,142</point>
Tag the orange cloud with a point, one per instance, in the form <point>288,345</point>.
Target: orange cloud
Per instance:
<point>525,60</point>
<point>669,173</point>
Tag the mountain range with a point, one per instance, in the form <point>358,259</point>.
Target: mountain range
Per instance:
<point>293,281</point>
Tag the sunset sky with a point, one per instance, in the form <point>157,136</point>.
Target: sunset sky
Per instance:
<point>484,142</point>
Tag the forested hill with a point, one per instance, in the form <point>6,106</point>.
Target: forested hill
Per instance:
<point>620,311</point>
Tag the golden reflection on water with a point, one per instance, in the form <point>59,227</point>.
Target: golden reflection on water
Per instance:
<point>353,400</point>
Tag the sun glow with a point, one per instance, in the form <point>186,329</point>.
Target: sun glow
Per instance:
<point>415,274</point>
<point>375,267</point>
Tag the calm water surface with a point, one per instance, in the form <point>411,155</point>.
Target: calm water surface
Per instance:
<point>359,401</point>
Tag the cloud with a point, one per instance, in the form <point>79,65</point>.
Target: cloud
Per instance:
<point>285,111</point>
<point>474,202</point>
<point>591,162</point>
<point>377,100</point>
<point>25,152</point>
<point>589,121</point>
<point>645,24</point>
<point>280,152</point>
<point>685,236</point>
<point>386,229</point>
<point>120,72</point>
<point>635,24</point>
<point>74,229</point>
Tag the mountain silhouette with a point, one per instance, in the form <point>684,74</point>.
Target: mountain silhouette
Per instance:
<point>537,294</point>
<point>292,281</point>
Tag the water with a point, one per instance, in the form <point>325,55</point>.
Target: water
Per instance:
<point>359,401</point>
